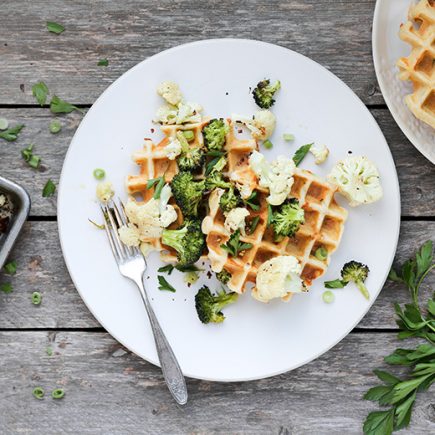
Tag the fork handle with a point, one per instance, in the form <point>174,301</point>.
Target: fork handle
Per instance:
<point>171,370</point>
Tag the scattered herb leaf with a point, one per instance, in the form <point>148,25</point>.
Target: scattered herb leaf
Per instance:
<point>103,62</point>
<point>336,283</point>
<point>4,123</point>
<point>10,268</point>
<point>288,137</point>
<point>12,133</point>
<point>58,105</point>
<point>166,269</point>
<point>164,285</point>
<point>40,92</point>
<point>6,287</point>
<point>234,246</point>
<point>269,215</point>
<point>252,201</point>
<point>55,27</point>
<point>301,153</point>
<point>268,144</point>
<point>254,224</point>
<point>49,189</point>
<point>49,351</point>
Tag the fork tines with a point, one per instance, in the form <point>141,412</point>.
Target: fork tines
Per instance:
<point>115,218</point>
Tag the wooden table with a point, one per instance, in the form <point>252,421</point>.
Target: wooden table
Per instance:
<point>109,390</point>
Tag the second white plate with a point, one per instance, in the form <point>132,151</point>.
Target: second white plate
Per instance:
<point>387,49</point>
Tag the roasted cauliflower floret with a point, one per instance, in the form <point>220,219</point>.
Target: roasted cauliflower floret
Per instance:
<point>170,92</point>
<point>357,178</point>
<point>276,176</point>
<point>278,277</point>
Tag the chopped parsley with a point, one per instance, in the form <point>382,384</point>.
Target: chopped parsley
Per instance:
<point>234,246</point>
<point>40,92</point>
<point>10,268</point>
<point>58,105</point>
<point>164,285</point>
<point>11,134</point>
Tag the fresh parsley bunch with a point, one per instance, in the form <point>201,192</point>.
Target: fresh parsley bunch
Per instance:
<point>414,321</point>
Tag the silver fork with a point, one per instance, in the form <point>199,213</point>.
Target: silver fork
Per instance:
<point>132,264</point>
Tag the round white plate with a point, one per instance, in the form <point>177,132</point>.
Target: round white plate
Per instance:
<point>387,49</point>
<point>256,340</point>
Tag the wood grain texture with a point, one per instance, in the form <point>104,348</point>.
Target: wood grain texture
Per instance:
<point>416,174</point>
<point>108,390</point>
<point>335,34</point>
<point>41,268</point>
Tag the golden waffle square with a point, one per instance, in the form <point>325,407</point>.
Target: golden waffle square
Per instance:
<point>419,66</point>
<point>324,225</point>
<point>154,163</point>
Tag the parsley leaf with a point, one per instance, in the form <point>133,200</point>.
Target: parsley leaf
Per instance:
<point>396,393</point>
<point>166,269</point>
<point>103,62</point>
<point>10,268</point>
<point>301,153</point>
<point>158,183</point>
<point>40,92</point>
<point>164,285</point>
<point>336,283</point>
<point>49,189</point>
<point>30,158</point>
<point>252,201</point>
<point>55,27</point>
<point>234,246</point>
<point>11,134</point>
<point>58,105</point>
<point>6,287</point>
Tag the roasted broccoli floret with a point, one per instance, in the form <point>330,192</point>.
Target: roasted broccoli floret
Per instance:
<point>264,92</point>
<point>223,276</point>
<point>357,273</point>
<point>229,200</point>
<point>188,240</point>
<point>191,158</point>
<point>287,218</point>
<point>187,193</point>
<point>214,180</point>
<point>209,306</point>
<point>214,134</point>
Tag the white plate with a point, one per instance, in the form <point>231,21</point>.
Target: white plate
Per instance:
<point>256,340</point>
<point>387,49</point>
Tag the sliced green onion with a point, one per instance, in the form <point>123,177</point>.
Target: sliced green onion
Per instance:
<point>36,298</point>
<point>288,137</point>
<point>4,123</point>
<point>58,393</point>
<point>49,351</point>
<point>328,297</point>
<point>269,215</point>
<point>321,253</point>
<point>103,62</point>
<point>268,144</point>
<point>38,392</point>
<point>55,126</point>
<point>188,134</point>
<point>34,161</point>
<point>48,189</point>
<point>99,174</point>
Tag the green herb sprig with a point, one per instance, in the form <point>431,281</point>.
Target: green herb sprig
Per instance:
<point>11,134</point>
<point>234,246</point>
<point>301,153</point>
<point>164,285</point>
<point>57,105</point>
<point>414,321</point>
<point>40,92</point>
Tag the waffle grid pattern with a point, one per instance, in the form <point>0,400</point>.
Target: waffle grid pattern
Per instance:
<point>419,66</point>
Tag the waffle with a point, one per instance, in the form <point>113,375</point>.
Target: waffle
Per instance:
<point>419,66</point>
<point>324,224</point>
<point>154,163</point>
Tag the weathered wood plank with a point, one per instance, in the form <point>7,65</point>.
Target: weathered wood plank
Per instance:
<point>335,34</point>
<point>41,268</point>
<point>416,174</point>
<point>108,390</point>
